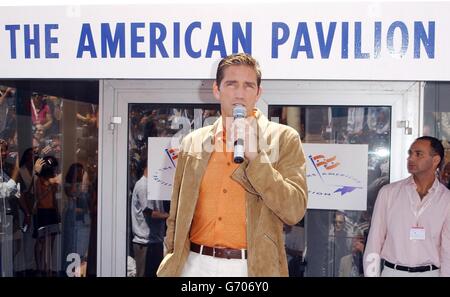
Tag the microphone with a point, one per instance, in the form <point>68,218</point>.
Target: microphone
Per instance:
<point>239,114</point>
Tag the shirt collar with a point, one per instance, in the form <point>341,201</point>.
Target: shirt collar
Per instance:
<point>410,181</point>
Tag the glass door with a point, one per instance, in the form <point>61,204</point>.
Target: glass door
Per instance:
<point>147,214</point>
<point>135,217</point>
<point>336,238</point>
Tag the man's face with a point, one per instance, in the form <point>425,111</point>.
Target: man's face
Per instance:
<point>238,86</point>
<point>56,145</point>
<point>420,158</point>
<point>358,244</point>
<point>339,223</point>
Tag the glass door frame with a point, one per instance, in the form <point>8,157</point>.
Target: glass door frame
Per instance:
<point>405,99</point>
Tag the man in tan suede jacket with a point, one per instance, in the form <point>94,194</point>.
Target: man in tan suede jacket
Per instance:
<point>226,219</point>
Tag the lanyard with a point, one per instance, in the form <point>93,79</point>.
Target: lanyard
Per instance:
<point>419,212</point>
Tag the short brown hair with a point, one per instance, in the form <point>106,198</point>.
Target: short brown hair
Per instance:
<point>238,59</point>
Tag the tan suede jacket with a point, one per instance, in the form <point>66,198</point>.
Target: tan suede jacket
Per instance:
<point>276,193</point>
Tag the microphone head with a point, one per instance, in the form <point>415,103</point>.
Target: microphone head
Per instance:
<point>239,111</point>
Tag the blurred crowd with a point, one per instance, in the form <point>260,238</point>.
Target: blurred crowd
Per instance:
<point>49,222</point>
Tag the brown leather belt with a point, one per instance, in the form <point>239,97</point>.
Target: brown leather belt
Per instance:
<point>218,252</point>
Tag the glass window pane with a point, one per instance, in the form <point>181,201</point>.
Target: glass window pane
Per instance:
<point>437,120</point>
<point>146,220</point>
<point>335,239</point>
<point>48,218</point>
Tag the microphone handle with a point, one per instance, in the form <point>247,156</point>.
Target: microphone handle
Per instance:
<point>239,142</point>
<point>238,151</point>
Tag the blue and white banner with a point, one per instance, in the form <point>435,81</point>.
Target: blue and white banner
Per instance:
<point>307,40</point>
<point>336,176</point>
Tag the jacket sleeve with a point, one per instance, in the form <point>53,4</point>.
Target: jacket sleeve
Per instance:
<point>282,184</point>
<point>171,220</point>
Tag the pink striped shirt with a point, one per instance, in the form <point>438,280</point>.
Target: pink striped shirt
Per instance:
<point>398,208</point>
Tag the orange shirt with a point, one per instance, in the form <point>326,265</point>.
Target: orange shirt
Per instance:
<point>220,214</point>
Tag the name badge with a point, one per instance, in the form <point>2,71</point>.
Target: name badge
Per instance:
<point>417,233</point>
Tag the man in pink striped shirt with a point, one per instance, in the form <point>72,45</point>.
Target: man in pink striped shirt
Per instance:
<point>410,227</point>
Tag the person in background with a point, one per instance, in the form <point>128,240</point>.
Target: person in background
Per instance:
<point>46,215</point>
<point>351,265</point>
<point>9,204</point>
<point>29,168</point>
<point>410,227</point>
<point>157,223</point>
<point>41,115</point>
<point>339,243</point>
<point>7,117</point>
<point>76,217</point>
<point>140,215</point>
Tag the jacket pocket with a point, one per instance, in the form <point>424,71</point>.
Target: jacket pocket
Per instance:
<point>270,238</point>
<point>269,257</point>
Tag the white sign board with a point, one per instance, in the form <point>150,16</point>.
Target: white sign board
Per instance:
<point>336,176</point>
<point>162,160</point>
<point>308,40</point>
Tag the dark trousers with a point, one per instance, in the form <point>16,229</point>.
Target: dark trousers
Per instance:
<point>140,256</point>
<point>155,254</point>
